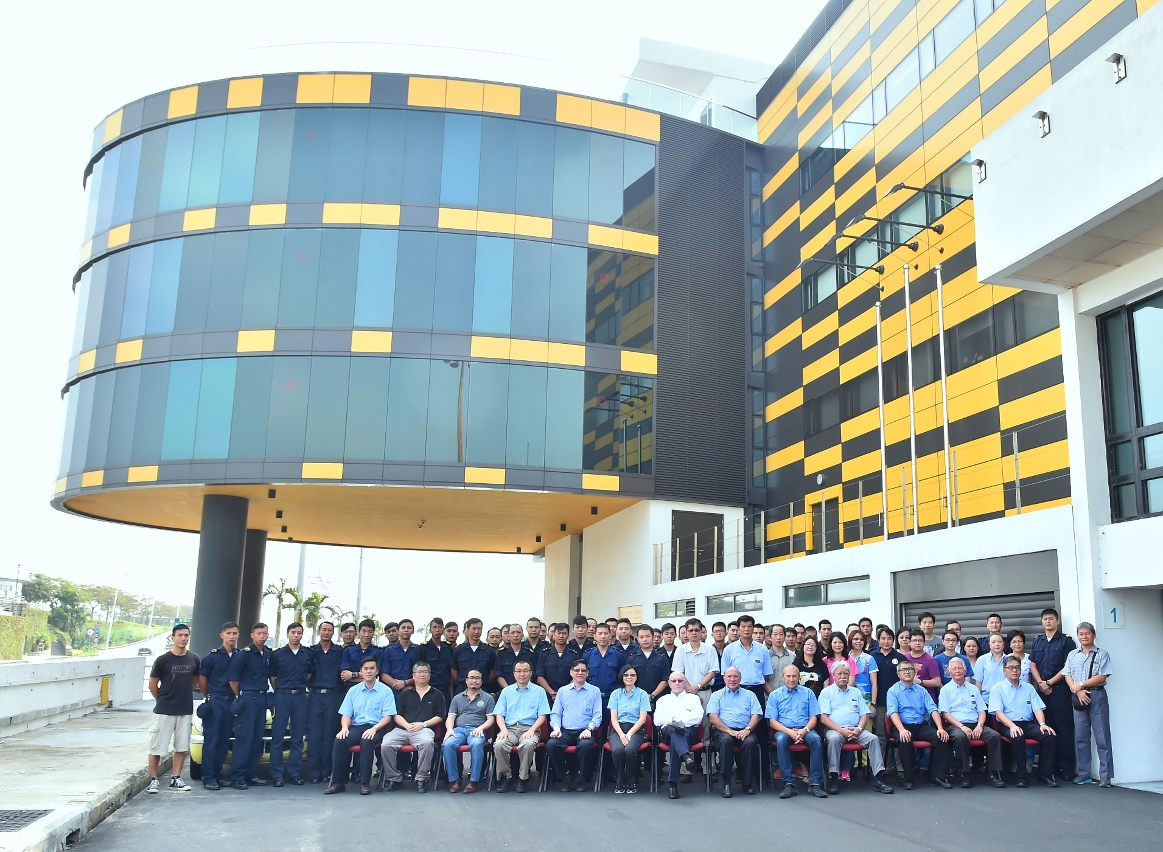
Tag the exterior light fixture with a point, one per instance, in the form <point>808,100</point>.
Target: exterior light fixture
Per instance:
<point>563,527</point>
<point>1043,119</point>
<point>593,510</point>
<point>819,479</point>
<point>1119,66</point>
<point>979,169</point>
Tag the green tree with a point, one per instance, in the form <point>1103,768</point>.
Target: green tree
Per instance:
<point>285,598</point>
<point>39,588</point>
<point>67,611</point>
<point>313,607</point>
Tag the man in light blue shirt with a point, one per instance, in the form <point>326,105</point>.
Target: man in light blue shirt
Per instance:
<point>963,710</point>
<point>915,717</point>
<point>576,714</point>
<point>366,712</point>
<point>793,713</point>
<point>734,714</point>
<point>1019,710</point>
<point>752,659</point>
<point>844,713</point>
<point>520,713</point>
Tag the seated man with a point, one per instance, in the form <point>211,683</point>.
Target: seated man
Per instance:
<point>915,717</point>
<point>419,710</point>
<point>470,717</point>
<point>576,714</point>
<point>963,709</point>
<point>844,713</point>
<point>1019,710</point>
<point>520,712</point>
<point>366,712</point>
<point>734,713</point>
<point>793,713</point>
<point>678,714</point>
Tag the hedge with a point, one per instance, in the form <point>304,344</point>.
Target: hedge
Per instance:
<point>11,637</point>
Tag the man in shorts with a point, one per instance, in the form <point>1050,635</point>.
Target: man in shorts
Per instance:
<point>171,682</point>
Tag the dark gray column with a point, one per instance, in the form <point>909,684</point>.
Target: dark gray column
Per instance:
<point>219,581</point>
<point>253,564</point>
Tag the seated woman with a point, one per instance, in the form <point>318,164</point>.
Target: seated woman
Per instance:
<point>629,708</point>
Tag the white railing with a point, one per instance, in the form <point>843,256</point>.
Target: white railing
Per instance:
<point>711,551</point>
<point>684,105</point>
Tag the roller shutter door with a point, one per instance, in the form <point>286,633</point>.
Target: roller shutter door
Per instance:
<point>1022,612</point>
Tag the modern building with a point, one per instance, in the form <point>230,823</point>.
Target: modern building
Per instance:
<point>884,349</point>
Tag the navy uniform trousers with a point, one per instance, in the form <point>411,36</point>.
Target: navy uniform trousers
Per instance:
<point>290,707</point>
<point>216,733</point>
<point>249,725</point>
<point>322,726</point>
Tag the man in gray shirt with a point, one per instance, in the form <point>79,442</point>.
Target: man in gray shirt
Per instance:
<point>470,717</point>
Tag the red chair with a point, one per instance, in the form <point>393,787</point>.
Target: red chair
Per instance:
<point>538,748</point>
<point>796,748</point>
<point>438,758</point>
<point>647,745</point>
<point>568,751</point>
<point>663,747</point>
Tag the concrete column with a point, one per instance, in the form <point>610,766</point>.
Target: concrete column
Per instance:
<point>562,578</point>
<point>219,581</point>
<point>253,564</point>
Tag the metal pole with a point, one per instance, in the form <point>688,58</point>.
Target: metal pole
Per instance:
<point>695,555</point>
<point>359,589</point>
<point>880,403</point>
<point>860,508</point>
<point>1017,476</point>
<point>912,407</point>
<point>639,468</point>
<point>152,604</point>
<point>955,508</point>
<point>302,585</point>
<point>109,635</point>
<point>791,529</point>
<point>944,391</point>
<point>715,551</point>
<point>904,505</point>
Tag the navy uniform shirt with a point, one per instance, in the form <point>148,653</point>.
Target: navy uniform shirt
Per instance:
<point>398,660</point>
<point>507,658</point>
<point>604,669</point>
<point>536,650</point>
<point>251,668</point>
<point>327,666</point>
<point>718,683</point>
<point>291,670</point>
<point>354,655</point>
<point>439,657</point>
<point>465,659</point>
<point>216,669</point>
<point>886,677</point>
<point>1049,655</point>
<point>651,671</point>
<point>581,649</point>
<point>555,667</point>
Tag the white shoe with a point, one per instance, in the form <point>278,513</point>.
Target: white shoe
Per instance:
<point>153,786</point>
<point>176,783</point>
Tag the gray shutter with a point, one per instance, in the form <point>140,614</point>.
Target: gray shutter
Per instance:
<point>1022,612</point>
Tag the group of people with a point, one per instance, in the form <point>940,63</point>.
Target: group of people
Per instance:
<point>807,693</point>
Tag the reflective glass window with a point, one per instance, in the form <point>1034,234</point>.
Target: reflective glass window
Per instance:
<point>300,278</point>
<point>137,291</point>
<point>407,409</point>
<point>953,29</point>
<point>448,398</point>
<point>498,165</point>
<point>206,162</point>
<point>71,397</point>
<point>118,269</point>
<point>181,410</point>
<point>240,151</point>
<point>215,407</point>
<point>149,424</point>
<point>570,173</point>
<point>264,265</point>
<point>126,180</point>
<point>638,186</point>
<point>384,168</point>
<point>120,454</point>
<point>493,292</point>
<point>376,278</point>
<point>567,293</point>
<point>1034,314</point>
<point>84,391</point>
<point>620,299</point>
<point>423,152</point>
<point>347,155</point>
<point>150,170</point>
<point>163,287</point>
<point>227,282</point>
<point>194,283</point>
<point>94,192</point>
<point>901,80</point>
<point>531,264</point>
<point>460,172</point>
<point>273,166</point>
<point>415,280</point>
<point>312,142</point>
<point>327,408</point>
<point>176,173</point>
<point>367,409</point>
<point>1147,323</point>
<point>108,189</point>
<point>338,268</point>
<point>617,422</point>
<point>455,269</point>
<point>606,178</point>
<point>1116,375</point>
<point>287,420</point>
<point>535,169</point>
<point>252,399</point>
<point>102,411</point>
<point>95,304</point>
<point>83,287</point>
<point>525,439</point>
<point>488,397</point>
<point>564,403</point>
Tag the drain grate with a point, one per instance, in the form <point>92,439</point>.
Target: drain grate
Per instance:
<point>16,820</point>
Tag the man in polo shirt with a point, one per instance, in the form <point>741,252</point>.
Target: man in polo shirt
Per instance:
<point>792,711</point>
<point>734,712</point>
<point>751,659</point>
<point>1019,710</point>
<point>472,654</point>
<point>844,713</point>
<point>576,714</point>
<point>520,712</point>
<point>419,711</point>
<point>781,657</point>
<point>915,717</point>
<point>365,714</point>
<point>1087,670</point>
<point>963,709</point>
<point>928,672</point>
<point>470,718</point>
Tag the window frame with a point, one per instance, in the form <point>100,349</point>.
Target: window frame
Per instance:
<point>735,605</point>
<point>824,585</point>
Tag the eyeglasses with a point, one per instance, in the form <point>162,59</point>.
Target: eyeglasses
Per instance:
<point>1013,668</point>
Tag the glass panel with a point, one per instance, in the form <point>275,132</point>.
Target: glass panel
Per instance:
<point>526,434</point>
<point>530,293</point>
<point>124,412</point>
<point>415,280</point>
<point>570,173</point>
<point>376,279</point>
<point>102,411</point>
<point>1004,327</point>
<point>273,166</point>
<point>112,160</point>
<point>163,289</point>
<point>347,154</point>
<point>309,155</point>
<point>493,288</point>
<point>66,466</point>
<point>825,283</point>
<point>264,266</point>
<point>535,169</point>
<point>460,172</point>
<point>367,409</point>
<point>338,264</point>
<point>849,590</point>
<point>1152,453</point>
<point>215,406</point>
<point>327,408</point>
<point>567,296</point>
<point>149,173</point>
<point>748,602</point>
<point>407,409</point>
<point>638,186</point>
<point>127,180</point>
<point>1122,458</point>
<point>971,341</point>
<point>176,174</point>
<point>498,169</point>
<point>901,80</point>
<point>983,8</point>
<point>1154,489</point>
<point>95,305</point>
<point>804,595</point>
<point>455,267</point>
<point>137,291</point>
<point>719,604</point>
<point>606,178</point>
<point>148,428</point>
<point>181,410</point>
<point>228,283</point>
<point>83,287</point>
<point>118,266</point>
<point>927,58</point>
<point>1147,321</point>
<point>447,411</point>
<point>298,290</point>
<point>384,170</point>
<point>194,283</point>
<point>564,405</point>
<point>94,199</point>
<point>84,391</point>
<point>1115,375</point>
<point>238,158</point>
<point>953,29</point>
<point>488,396</point>
<point>1124,501</point>
<point>252,401</point>
<point>206,164</point>
<point>1035,314</point>
<point>423,150</point>
<point>287,421</point>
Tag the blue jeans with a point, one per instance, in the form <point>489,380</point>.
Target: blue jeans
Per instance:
<point>462,735</point>
<point>783,744</point>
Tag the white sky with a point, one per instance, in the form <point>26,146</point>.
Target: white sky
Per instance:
<point>66,66</point>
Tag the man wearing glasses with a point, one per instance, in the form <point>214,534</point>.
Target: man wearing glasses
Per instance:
<point>1019,710</point>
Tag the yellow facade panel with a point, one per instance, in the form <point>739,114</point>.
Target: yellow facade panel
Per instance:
<point>816,243</point>
<point>571,354</point>
<point>456,219</point>
<point>860,284</point>
<point>199,220</point>
<point>862,424</point>
<point>950,132</point>
<point>896,46</point>
<point>889,136</point>
<point>489,347</point>
<point>784,404</point>
<point>637,241</point>
<point>127,350</point>
<point>606,116</point>
<point>529,350</point>
<point>484,475</point>
<point>857,325</point>
<point>823,460</point>
<point>532,226</point>
<point>60,485</point>
<point>639,362</point>
<point>971,378</point>
<point>856,98</point>
<point>644,125</point>
<point>464,94</point>
<point>495,223</point>
<point>786,456</point>
<point>789,283</point>
<point>244,92</point>
<point>426,91</point>
<point>1017,50</point>
<point>92,478</point>
<point>322,470</point>
<point>896,431</point>
<point>818,207</point>
<point>1018,100</point>
<point>781,175</point>
<point>781,224</point>
<point>1043,403</point>
<point>600,235</point>
<point>183,102</point>
<point>859,365</point>
<point>574,110</point>
<point>504,100</point>
<point>950,77</point>
<point>600,482</point>
<point>1082,22</point>
<point>371,341</point>
<point>973,402</point>
<point>1004,13</point>
<point>256,340</point>
<point>86,361</point>
<point>910,171</point>
<point>270,214</point>
<point>822,329</point>
<point>815,123</point>
<point>112,127</point>
<point>1145,5</point>
<point>969,305</point>
<point>862,186</point>
<point>341,213</point>
<point>932,12</point>
<point>1037,461</point>
<point>822,366</point>
<point>143,473</point>
<point>353,89</point>
<point>315,89</point>
<point>1041,348</point>
<point>862,55</point>
<point>118,236</point>
<point>862,466</point>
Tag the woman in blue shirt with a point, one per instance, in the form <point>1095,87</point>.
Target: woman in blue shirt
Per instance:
<point>629,710</point>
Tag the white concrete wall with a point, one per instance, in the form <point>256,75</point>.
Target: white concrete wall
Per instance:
<point>33,694</point>
<point>561,578</point>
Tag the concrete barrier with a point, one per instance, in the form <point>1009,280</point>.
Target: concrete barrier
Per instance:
<point>34,694</point>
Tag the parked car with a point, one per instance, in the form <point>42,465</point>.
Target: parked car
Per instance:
<point>197,741</point>
<point>144,652</point>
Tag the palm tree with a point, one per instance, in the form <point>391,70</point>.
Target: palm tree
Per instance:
<point>281,593</point>
<point>313,606</point>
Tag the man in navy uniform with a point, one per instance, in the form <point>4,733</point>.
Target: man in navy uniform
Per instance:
<point>1048,675</point>
<point>354,655</point>
<point>438,655</point>
<point>250,681</point>
<point>653,665</point>
<point>471,654</point>
<point>291,669</point>
<point>581,641</point>
<point>554,664</point>
<point>511,653</point>
<point>399,658</point>
<point>218,726</point>
<point>536,642</point>
<point>323,703</point>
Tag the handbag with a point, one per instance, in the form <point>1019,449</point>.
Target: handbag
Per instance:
<point>1075,701</point>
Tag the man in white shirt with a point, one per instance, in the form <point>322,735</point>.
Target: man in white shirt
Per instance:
<point>679,713</point>
<point>697,662</point>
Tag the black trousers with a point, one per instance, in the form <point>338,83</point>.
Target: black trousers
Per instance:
<point>939,751</point>
<point>1047,747</point>
<point>556,747</point>
<point>322,726</point>
<point>340,758</point>
<point>962,750</point>
<point>748,755</point>
<point>1060,717</point>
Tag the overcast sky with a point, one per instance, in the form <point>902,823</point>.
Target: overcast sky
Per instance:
<point>66,66</point>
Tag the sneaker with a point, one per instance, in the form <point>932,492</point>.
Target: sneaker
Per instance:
<point>845,775</point>
<point>1083,779</point>
<point>619,788</point>
<point>176,783</point>
<point>633,788</point>
<point>153,786</point>
<point>1105,782</point>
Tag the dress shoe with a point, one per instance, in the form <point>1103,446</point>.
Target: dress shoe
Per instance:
<point>315,779</point>
<point>239,785</point>
<point>996,780</point>
<point>256,782</point>
<point>298,782</point>
<point>673,790</point>
<point>818,792</point>
<point>789,790</point>
<point>748,790</point>
<point>1023,783</point>
<point>686,779</point>
<point>688,760</point>
<point>566,784</point>
<point>278,782</point>
<point>1047,780</point>
<point>726,794</point>
<point>943,783</point>
<point>454,787</point>
<point>421,786</point>
<point>365,790</point>
<point>503,786</point>
<point>880,786</point>
<point>907,784</point>
<point>966,782</point>
<point>522,785</point>
<point>392,786</point>
<point>334,788</point>
<point>210,785</point>
<point>470,787</point>
<point>833,785</point>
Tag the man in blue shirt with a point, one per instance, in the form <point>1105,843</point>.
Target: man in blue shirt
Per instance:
<point>511,653</point>
<point>250,681</point>
<point>1019,710</point>
<point>751,659</point>
<point>963,709</point>
<point>734,714</point>
<point>292,667</point>
<point>576,715</point>
<point>366,712</point>
<point>323,703</point>
<point>844,713</point>
<point>438,654</point>
<point>520,712</point>
<point>951,641</point>
<point>354,655</point>
<point>911,709</point>
<point>218,725</point>
<point>793,713</point>
<point>652,664</point>
<point>472,654</point>
<point>605,662</point>
<point>399,658</point>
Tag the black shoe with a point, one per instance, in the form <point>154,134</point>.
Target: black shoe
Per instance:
<point>943,783</point>
<point>726,794</point>
<point>748,790</point>
<point>907,784</point>
<point>365,789</point>
<point>996,780</point>
<point>334,788</point>
<point>673,790</point>
<point>789,790</point>
<point>688,760</point>
<point>421,786</point>
<point>686,779</point>
<point>239,785</point>
<point>833,785</point>
<point>298,782</point>
<point>315,779</point>
<point>966,782</point>
<point>566,784</point>
<point>256,782</point>
<point>521,785</point>
<point>1047,780</point>
<point>392,786</point>
<point>210,785</point>
<point>881,787</point>
<point>278,782</point>
<point>818,792</point>
<point>503,786</point>
<point>1023,783</point>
